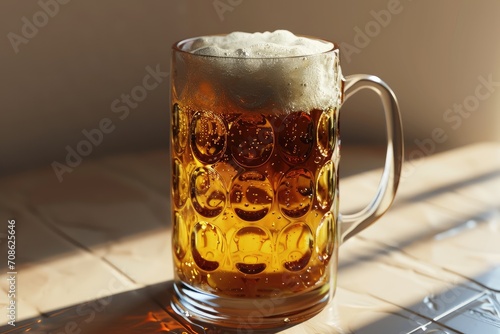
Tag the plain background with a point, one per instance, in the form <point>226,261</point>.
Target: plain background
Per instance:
<point>86,54</point>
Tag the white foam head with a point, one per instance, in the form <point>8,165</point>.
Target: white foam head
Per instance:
<point>292,72</point>
<point>279,43</point>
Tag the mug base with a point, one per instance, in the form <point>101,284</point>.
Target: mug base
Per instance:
<point>248,315</point>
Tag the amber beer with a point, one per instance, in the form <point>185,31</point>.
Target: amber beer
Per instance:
<point>255,154</point>
<point>252,192</point>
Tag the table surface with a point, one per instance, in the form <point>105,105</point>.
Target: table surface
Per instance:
<point>93,252</point>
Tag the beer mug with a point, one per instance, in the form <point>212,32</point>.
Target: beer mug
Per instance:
<point>255,153</point>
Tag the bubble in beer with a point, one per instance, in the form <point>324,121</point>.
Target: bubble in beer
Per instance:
<point>180,183</point>
<point>325,185</point>
<point>208,193</point>
<point>207,246</point>
<point>295,246</point>
<point>295,192</point>
<point>180,128</point>
<point>296,137</point>
<point>251,195</point>
<point>325,240</point>
<point>325,134</point>
<point>251,139</point>
<point>252,249</point>
<point>180,240</point>
<point>208,137</point>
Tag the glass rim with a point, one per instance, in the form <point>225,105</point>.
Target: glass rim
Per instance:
<point>177,47</point>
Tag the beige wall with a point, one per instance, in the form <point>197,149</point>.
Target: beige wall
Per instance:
<point>69,73</point>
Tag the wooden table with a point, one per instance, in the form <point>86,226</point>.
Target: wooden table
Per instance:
<point>93,252</point>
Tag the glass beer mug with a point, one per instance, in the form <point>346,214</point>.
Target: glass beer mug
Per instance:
<point>255,194</point>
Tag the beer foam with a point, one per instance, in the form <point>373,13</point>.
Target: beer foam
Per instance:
<point>279,43</point>
<point>277,68</point>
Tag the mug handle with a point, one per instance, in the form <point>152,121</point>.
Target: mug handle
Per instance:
<point>351,224</point>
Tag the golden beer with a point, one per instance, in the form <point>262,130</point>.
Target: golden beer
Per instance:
<point>252,192</point>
